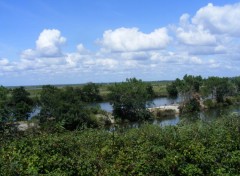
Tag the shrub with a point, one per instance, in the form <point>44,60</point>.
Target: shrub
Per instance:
<point>199,148</point>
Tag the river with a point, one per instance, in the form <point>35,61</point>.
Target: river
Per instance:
<point>172,120</point>
<point>155,103</point>
<point>206,115</point>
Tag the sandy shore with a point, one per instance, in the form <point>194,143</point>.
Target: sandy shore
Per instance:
<point>165,107</point>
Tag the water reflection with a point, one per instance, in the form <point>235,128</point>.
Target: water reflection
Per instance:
<point>207,115</point>
<point>155,103</point>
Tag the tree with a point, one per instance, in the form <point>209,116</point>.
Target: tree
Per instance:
<point>236,81</point>
<point>21,104</point>
<point>172,90</point>
<point>218,88</point>
<point>129,100</point>
<point>65,106</point>
<point>4,109</point>
<point>90,93</point>
<point>48,101</point>
<point>150,90</point>
<point>188,88</point>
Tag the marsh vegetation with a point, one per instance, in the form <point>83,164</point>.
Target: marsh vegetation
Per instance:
<point>70,136</point>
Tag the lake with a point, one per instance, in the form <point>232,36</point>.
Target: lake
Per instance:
<point>206,115</point>
<point>172,120</point>
<point>155,103</point>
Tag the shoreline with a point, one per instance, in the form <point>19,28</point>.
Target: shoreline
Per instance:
<point>174,107</point>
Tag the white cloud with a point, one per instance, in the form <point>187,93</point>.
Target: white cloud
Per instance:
<point>195,36</point>
<point>4,62</point>
<point>196,60</point>
<point>219,19</point>
<point>141,55</point>
<point>107,63</point>
<point>81,49</point>
<point>213,32</point>
<point>213,63</point>
<point>131,39</point>
<point>48,44</point>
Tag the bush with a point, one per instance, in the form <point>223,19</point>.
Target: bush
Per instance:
<point>160,113</point>
<point>209,103</point>
<point>199,148</point>
<point>129,100</point>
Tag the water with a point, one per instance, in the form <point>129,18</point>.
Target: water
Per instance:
<point>106,106</point>
<point>211,114</point>
<point>207,115</point>
<point>173,120</point>
<point>35,112</point>
<point>155,103</point>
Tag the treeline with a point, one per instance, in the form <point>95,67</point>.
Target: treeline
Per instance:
<point>211,92</point>
<point>198,148</point>
<point>73,107</point>
<point>69,106</point>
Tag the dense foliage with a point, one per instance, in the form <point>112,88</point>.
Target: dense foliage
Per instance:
<point>191,148</point>
<point>214,91</point>
<point>129,100</point>
<point>68,106</point>
<point>200,148</point>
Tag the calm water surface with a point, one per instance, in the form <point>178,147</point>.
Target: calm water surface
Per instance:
<point>207,115</point>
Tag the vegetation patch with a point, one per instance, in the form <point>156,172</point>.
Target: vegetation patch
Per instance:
<point>198,148</point>
<point>162,113</point>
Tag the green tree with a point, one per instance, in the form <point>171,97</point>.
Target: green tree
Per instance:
<point>65,106</point>
<point>218,88</point>
<point>172,90</point>
<point>72,110</point>
<point>150,90</point>
<point>188,88</point>
<point>21,104</point>
<point>49,98</point>
<point>4,109</point>
<point>236,81</point>
<point>90,93</point>
<point>129,100</point>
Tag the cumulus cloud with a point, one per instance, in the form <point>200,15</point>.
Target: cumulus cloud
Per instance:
<point>48,44</point>
<point>131,39</point>
<point>219,19</point>
<point>187,47</point>
<point>81,49</point>
<point>212,30</point>
<point>4,62</point>
<point>195,36</point>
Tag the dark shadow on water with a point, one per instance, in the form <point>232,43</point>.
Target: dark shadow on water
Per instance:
<point>207,115</point>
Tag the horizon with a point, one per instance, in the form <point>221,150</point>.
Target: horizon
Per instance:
<point>62,43</point>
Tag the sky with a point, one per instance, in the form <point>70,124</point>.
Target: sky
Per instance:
<point>79,41</point>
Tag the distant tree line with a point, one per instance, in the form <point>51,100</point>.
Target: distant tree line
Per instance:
<point>68,105</point>
<point>214,90</point>
<point>71,107</point>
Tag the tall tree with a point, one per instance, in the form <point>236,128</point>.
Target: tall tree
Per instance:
<point>218,88</point>
<point>49,102</point>
<point>21,104</point>
<point>129,100</point>
<point>172,90</point>
<point>90,93</point>
<point>4,109</point>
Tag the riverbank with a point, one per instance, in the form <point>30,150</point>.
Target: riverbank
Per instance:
<point>173,107</point>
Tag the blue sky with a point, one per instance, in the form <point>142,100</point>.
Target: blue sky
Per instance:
<point>78,41</point>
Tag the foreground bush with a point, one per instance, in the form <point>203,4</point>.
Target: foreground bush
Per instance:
<point>199,148</point>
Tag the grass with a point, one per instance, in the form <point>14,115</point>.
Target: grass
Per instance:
<point>159,88</point>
